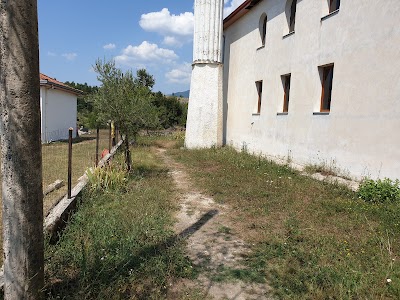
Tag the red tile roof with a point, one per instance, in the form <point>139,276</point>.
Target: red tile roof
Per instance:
<point>54,83</point>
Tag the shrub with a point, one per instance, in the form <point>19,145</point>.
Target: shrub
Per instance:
<point>379,190</point>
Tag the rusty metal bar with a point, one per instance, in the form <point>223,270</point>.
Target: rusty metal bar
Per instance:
<point>70,162</point>
<point>97,145</point>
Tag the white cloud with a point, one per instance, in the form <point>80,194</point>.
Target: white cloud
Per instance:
<point>172,41</point>
<point>145,52</point>
<point>70,56</point>
<point>233,4</point>
<point>165,23</point>
<point>109,46</point>
<point>49,53</point>
<point>176,29</point>
<point>181,74</point>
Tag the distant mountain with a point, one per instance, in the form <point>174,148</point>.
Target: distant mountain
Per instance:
<point>184,94</point>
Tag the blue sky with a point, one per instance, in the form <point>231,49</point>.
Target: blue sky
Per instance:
<point>152,34</point>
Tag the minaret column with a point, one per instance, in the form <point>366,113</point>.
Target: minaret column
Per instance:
<point>204,123</point>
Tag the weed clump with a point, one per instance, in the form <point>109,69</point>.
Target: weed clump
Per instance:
<point>106,179</point>
<point>380,191</point>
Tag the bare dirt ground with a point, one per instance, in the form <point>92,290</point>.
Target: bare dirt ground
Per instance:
<point>211,244</point>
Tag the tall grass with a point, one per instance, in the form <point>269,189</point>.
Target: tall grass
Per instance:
<point>120,243</point>
<point>312,240</point>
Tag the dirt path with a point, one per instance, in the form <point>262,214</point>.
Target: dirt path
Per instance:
<point>211,244</point>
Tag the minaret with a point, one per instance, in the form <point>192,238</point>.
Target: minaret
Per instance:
<point>204,122</point>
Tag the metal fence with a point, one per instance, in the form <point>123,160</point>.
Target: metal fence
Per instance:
<point>87,149</point>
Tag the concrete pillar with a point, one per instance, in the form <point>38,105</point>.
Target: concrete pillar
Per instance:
<point>204,124</point>
<point>21,151</point>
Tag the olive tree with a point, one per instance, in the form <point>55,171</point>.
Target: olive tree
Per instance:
<point>123,99</point>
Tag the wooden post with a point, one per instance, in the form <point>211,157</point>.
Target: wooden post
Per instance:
<point>70,162</point>
<point>97,145</point>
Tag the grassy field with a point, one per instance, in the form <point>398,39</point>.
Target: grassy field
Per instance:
<point>311,240</point>
<point>120,243</point>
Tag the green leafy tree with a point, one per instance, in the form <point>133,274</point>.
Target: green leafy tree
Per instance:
<point>123,99</point>
<point>145,79</point>
<point>171,111</point>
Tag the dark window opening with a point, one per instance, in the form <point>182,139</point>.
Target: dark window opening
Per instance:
<point>259,92</point>
<point>292,19</point>
<point>327,79</point>
<point>264,31</point>
<point>333,5</point>
<point>286,89</point>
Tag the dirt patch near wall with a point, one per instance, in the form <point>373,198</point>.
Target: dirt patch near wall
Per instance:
<point>212,245</point>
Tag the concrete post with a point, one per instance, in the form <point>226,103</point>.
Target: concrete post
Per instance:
<point>21,163</point>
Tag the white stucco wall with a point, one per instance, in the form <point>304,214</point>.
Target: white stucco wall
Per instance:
<point>360,135</point>
<point>59,113</point>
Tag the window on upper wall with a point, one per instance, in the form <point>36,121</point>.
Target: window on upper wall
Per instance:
<point>259,86</point>
<point>326,73</point>
<point>263,28</point>
<point>292,16</point>
<point>333,5</point>
<point>286,92</point>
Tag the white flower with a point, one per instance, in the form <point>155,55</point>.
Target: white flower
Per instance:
<point>388,280</point>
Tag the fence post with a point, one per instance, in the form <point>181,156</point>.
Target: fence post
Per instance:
<point>109,137</point>
<point>70,162</point>
<point>113,134</point>
<point>97,145</point>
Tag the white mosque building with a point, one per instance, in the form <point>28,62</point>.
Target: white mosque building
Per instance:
<point>306,81</point>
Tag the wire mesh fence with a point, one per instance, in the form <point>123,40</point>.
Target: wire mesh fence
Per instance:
<point>55,161</point>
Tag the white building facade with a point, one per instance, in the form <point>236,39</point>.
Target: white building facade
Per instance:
<point>315,82</point>
<point>58,106</point>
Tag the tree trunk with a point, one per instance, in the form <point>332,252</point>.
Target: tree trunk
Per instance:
<point>127,153</point>
<point>21,164</point>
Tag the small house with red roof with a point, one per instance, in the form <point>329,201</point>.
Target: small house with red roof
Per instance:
<point>58,106</point>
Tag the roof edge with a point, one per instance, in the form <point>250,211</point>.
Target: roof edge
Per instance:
<point>52,85</point>
<point>240,12</point>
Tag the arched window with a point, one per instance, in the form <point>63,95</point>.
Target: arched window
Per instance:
<point>292,15</point>
<point>263,28</point>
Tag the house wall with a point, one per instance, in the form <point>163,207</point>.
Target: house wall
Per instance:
<point>360,136</point>
<point>59,113</point>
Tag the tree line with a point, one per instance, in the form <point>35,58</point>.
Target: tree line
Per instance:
<point>169,110</point>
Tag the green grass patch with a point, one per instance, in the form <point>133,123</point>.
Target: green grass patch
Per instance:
<point>120,243</point>
<point>312,239</point>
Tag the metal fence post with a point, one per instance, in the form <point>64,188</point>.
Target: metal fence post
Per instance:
<point>109,137</point>
<point>97,145</point>
<point>70,162</point>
